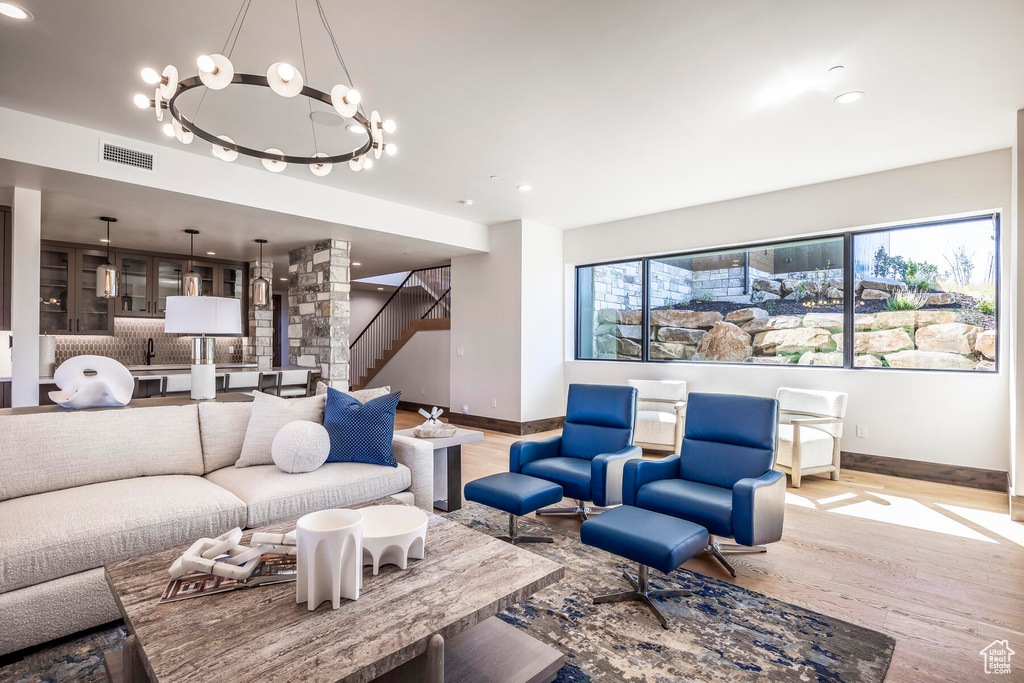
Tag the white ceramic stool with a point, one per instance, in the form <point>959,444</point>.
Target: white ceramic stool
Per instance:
<point>393,534</point>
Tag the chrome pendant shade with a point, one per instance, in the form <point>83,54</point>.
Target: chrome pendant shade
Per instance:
<point>260,286</point>
<point>108,277</point>
<point>191,282</point>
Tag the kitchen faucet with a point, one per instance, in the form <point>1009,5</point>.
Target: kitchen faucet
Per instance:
<point>150,353</point>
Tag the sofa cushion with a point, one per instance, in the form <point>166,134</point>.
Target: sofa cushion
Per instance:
<point>222,427</point>
<point>361,432</point>
<point>59,533</point>
<point>272,495</point>
<point>269,414</point>
<point>53,451</point>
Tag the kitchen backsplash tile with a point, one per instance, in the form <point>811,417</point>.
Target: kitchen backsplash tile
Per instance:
<point>128,345</point>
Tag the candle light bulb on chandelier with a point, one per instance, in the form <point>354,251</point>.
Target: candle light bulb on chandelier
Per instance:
<point>168,130</point>
<point>391,148</point>
<point>206,65</point>
<point>389,126</point>
<point>150,75</point>
<point>353,96</point>
<point>141,101</point>
<point>286,71</point>
<point>368,164</point>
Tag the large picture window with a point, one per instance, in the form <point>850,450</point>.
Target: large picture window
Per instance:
<point>913,297</point>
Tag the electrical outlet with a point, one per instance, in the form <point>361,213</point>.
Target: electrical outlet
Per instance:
<point>460,351</point>
<point>862,431</point>
<point>494,403</point>
<point>231,348</point>
<point>423,391</point>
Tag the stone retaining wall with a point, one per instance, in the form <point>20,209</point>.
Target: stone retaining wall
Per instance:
<point>900,339</point>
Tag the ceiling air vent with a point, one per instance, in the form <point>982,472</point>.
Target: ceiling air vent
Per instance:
<point>126,156</point>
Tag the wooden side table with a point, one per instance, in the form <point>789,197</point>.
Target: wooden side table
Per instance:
<point>448,464</point>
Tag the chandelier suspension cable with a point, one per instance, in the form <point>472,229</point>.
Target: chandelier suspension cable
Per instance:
<point>309,102</point>
<point>244,6</point>
<point>337,50</point>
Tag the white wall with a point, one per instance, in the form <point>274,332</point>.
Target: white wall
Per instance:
<point>26,228</point>
<point>421,369</point>
<point>948,418</point>
<point>364,304</point>
<point>541,343</point>
<point>1016,320</point>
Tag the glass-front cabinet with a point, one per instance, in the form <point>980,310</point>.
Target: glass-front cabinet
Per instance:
<point>135,299</point>
<point>168,282</point>
<point>67,292</point>
<point>55,311</point>
<point>93,314</point>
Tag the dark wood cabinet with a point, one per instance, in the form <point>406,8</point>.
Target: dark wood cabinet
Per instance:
<point>5,394</point>
<point>67,292</point>
<point>5,268</point>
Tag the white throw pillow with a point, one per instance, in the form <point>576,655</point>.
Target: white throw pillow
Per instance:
<point>361,395</point>
<point>269,415</point>
<point>301,446</point>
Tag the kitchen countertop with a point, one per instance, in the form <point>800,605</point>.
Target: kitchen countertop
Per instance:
<point>155,372</point>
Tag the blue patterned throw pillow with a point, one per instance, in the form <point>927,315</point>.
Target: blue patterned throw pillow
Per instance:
<point>361,432</point>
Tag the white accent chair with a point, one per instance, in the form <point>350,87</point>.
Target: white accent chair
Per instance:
<point>810,432</point>
<point>660,412</point>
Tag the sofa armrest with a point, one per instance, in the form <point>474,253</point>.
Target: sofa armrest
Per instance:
<point>636,473</point>
<point>524,452</point>
<point>758,508</point>
<point>606,475</point>
<point>418,456</point>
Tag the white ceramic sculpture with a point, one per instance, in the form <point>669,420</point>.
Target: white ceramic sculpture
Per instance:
<point>393,534</point>
<point>301,446</point>
<point>221,556</point>
<point>329,557</point>
<point>92,382</point>
<point>433,427</point>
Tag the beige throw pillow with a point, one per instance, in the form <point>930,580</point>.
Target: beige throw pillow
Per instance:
<point>361,395</point>
<point>269,415</point>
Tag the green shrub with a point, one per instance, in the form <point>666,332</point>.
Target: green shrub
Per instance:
<point>770,305</point>
<point>986,306</point>
<point>911,300</point>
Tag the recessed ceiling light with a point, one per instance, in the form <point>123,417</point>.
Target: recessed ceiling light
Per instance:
<point>326,117</point>
<point>848,97</point>
<point>380,289</point>
<point>356,263</point>
<point>466,202</point>
<point>211,253</point>
<point>104,240</point>
<point>836,71</point>
<point>523,188</point>
<point>355,128</point>
<point>284,279</point>
<point>14,12</point>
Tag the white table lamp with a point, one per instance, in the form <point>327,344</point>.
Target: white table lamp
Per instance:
<point>205,316</point>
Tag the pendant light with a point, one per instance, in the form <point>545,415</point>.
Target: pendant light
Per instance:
<point>191,283</point>
<point>108,277</point>
<point>261,285</point>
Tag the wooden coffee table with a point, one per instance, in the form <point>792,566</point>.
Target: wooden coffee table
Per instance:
<point>433,622</point>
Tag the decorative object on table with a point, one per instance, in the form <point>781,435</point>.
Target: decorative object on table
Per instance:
<point>261,289</point>
<point>47,355</point>
<point>433,428</point>
<point>330,557</point>
<point>393,534</point>
<point>108,277</point>
<point>92,382</point>
<point>301,446</point>
<point>269,414</point>
<point>361,432</point>
<point>207,317</point>
<point>221,556</point>
<point>217,72</point>
<point>280,544</point>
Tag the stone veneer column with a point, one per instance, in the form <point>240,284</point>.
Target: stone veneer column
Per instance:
<point>261,320</point>
<point>318,309</point>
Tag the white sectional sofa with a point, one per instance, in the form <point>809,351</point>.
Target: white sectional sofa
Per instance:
<point>82,489</point>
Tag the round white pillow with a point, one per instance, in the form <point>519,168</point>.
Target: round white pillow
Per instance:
<point>301,446</point>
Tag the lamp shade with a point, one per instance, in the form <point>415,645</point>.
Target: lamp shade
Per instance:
<point>211,315</point>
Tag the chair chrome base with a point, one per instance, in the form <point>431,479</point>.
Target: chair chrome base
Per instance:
<point>719,550</point>
<point>642,592</point>
<point>514,537</point>
<point>581,509</point>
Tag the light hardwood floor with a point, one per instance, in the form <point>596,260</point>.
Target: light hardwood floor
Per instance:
<point>938,567</point>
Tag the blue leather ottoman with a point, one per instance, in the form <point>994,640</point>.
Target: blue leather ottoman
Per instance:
<point>650,539</point>
<point>516,494</point>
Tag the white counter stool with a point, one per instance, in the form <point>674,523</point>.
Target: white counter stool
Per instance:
<point>293,383</point>
<point>241,381</point>
<point>176,384</point>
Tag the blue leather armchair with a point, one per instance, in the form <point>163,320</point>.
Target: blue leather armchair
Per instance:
<point>722,478</point>
<point>587,460</point>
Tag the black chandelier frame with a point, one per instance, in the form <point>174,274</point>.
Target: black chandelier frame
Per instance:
<point>261,81</point>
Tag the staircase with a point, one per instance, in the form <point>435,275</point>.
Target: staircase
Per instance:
<point>421,302</point>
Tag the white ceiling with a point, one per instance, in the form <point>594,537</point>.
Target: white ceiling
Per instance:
<point>608,109</point>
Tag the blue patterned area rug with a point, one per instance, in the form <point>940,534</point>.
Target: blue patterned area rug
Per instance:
<point>721,633</point>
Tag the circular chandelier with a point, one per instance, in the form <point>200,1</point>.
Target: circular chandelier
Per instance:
<point>216,72</point>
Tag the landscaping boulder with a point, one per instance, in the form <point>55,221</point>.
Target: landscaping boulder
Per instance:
<point>830,321</point>
<point>985,344</point>
<point>867,361</point>
<point>725,342</point>
<point>985,365</point>
<point>838,339</point>
<point>868,294</point>
<point>672,351</point>
<point>631,317</point>
<point>914,319</point>
<point>882,284</point>
<point>691,319</point>
<point>770,286</point>
<point>863,322</point>
<point>627,331</point>
<point>882,341</point>
<point>834,293</point>
<point>939,299</point>
<point>815,358</point>
<point>932,360</point>
<point>745,314</point>
<point>947,337</point>
<point>682,335</point>
<point>935,317</point>
<point>792,341</point>
<point>774,360</point>
<point>789,286</point>
<point>609,344</point>
<point>608,315</point>
<point>778,322</point>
